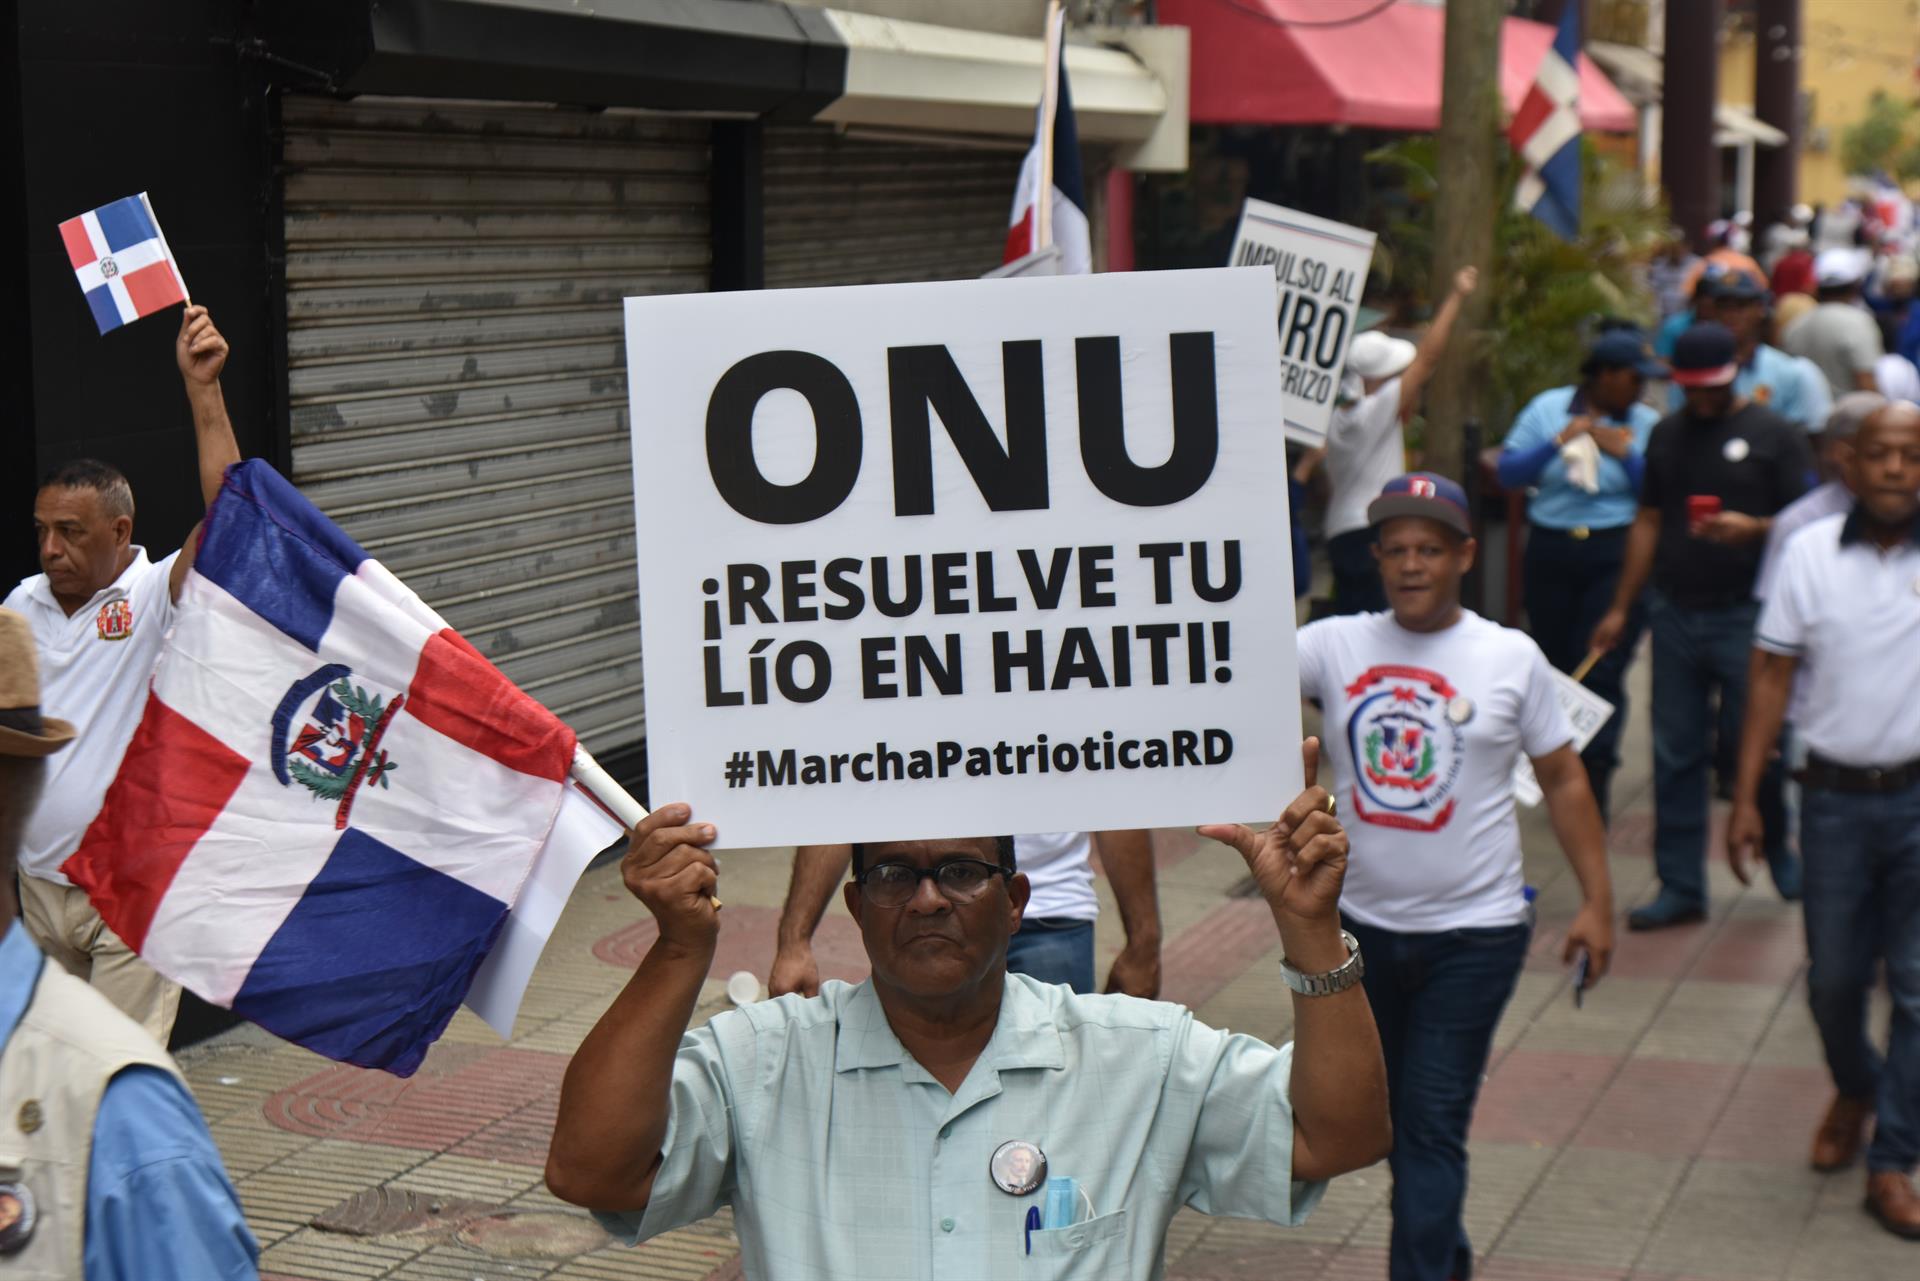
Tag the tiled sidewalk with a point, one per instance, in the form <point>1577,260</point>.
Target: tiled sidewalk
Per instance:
<point>1660,1132</point>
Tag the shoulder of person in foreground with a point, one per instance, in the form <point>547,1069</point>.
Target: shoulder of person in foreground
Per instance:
<point>159,1202</point>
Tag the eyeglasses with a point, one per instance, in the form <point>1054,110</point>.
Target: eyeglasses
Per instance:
<point>962,880</point>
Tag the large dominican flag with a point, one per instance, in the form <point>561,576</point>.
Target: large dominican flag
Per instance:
<point>1054,162</point>
<point>332,800</point>
<point>1546,133</point>
<point>121,258</point>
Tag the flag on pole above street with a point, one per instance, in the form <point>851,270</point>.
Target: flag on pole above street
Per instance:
<point>1546,133</point>
<point>332,800</point>
<point>1052,165</point>
<point>121,257</point>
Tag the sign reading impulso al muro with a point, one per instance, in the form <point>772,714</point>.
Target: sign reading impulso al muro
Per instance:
<point>965,559</point>
<point>1321,268</point>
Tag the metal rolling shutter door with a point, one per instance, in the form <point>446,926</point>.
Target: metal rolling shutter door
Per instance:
<point>457,374</point>
<point>854,211</point>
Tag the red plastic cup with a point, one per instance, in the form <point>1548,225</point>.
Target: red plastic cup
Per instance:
<point>1701,507</point>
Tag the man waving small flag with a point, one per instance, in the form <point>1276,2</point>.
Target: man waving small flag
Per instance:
<point>1546,133</point>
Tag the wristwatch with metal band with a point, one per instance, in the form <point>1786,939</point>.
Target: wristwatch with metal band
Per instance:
<point>1338,979</point>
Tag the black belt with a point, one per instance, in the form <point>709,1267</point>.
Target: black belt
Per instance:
<point>1830,776</point>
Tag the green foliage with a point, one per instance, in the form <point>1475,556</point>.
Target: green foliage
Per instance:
<point>1878,140</point>
<point>1543,293</point>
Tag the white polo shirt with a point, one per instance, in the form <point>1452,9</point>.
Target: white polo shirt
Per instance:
<point>94,672</point>
<point>1850,612</point>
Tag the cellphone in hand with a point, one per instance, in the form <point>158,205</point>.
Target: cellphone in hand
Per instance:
<point>1701,507</point>
<point>1582,966</point>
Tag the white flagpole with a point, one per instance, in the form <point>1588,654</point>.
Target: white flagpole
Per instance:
<point>1049,109</point>
<point>599,784</point>
<point>167,249</point>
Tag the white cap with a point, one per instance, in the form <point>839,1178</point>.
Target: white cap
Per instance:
<point>1377,355</point>
<point>1836,267</point>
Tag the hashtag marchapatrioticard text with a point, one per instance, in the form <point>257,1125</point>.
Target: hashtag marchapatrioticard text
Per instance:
<point>883,763</point>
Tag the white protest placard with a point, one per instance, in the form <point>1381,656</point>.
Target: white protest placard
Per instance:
<point>1321,267</point>
<point>1586,710</point>
<point>965,559</point>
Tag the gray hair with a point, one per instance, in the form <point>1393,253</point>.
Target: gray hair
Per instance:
<point>116,495</point>
<point>1849,412</point>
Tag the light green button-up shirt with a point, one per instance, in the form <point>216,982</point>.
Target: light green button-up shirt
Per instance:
<point>843,1158</point>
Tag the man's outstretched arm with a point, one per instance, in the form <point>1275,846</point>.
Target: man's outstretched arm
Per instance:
<point>201,353</point>
<point>1341,1120</point>
<point>614,1100</point>
<point>1126,855</point>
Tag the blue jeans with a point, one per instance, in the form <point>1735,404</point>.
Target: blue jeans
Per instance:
<point>1696,654</point>
<point>1436,999</point>
<point>1057,950</point>
<point>1570,584</point>
<point>1862,895</point>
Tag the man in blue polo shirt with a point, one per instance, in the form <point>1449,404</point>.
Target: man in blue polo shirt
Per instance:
<point>1581,450</point>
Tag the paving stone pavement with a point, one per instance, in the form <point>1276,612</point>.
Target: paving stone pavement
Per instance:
<point>1658,1134</point>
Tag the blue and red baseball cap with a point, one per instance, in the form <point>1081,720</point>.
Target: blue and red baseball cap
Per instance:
<point>1425,495</point>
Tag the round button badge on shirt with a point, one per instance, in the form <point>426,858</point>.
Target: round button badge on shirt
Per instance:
<point>1736,450</point>
<point>18,1217</point>
<point>1460,710</point>
<point>1018,1167</point>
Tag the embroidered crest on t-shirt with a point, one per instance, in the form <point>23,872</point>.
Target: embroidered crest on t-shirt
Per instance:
<point>1407,751</point>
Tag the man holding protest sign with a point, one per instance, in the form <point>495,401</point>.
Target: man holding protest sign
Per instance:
<point>1427,709</point>
<point>1366,447</point>
<point>975,1123</point>
<point>99,613</point>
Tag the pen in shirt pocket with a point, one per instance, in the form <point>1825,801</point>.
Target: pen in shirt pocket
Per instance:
<point>1059,1207</point>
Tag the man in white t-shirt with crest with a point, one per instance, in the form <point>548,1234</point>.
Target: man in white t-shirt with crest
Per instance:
<point>99,611</point>
<point>1427,709</point>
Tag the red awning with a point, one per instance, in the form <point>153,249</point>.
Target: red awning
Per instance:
<point>1382,72</point>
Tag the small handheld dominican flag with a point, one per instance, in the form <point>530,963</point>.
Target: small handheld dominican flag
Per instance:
<point>1546,133</point>
<point>332,801</point>
<point>125,268</point>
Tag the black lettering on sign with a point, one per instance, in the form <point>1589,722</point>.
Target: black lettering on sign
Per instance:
<point>1103,430</point>
<point>1010,479</point>
<point>836,426</point>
